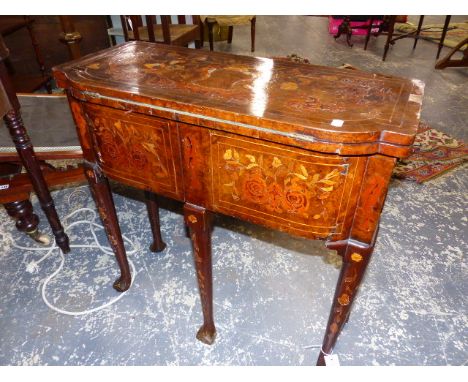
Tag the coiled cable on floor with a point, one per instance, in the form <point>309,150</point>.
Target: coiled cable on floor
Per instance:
<point>33,266</point>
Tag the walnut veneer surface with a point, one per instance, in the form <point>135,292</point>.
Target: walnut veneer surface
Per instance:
<point>305,149</point>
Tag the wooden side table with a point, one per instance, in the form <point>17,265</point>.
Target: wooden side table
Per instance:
<point>304,149</point>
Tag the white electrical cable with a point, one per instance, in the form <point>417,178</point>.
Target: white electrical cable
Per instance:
<point>34,265</point>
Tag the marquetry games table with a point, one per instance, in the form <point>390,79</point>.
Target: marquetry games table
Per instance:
<point>304,149</point>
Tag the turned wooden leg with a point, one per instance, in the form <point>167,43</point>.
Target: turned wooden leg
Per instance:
<point>25,150</point>
<point>198,221</point>
<point>26,220</point>
<point>252,33</point>
<point>103,197</point>
<point>230,33</point>
<point>210,33</point>
<point>152,206</point>
<point>355,260</point>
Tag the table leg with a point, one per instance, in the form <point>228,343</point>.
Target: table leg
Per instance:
<point>442,38</point>
<point>198,220</point>
<point>357,249</point>
<point>26,152</point>
<point>355,260</point>
<point>102,194</point>
<point>153,213</point>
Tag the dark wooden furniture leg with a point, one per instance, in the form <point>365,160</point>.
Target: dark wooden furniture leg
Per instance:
<point>391,27</point>
<point>357,250</point>
<point>345,27</point>
<point>369,30</point>
<point>25,151</point>
<point>442,38</point>
<point>20,208</point>
<point>202,33</point>
<point>70,37</point>
<point>447,61</point>
<point>198,220</point>
<point>102,194</point>
<point>418,31</point>
<point>210,25</point>
<point>252,33</point>
<point>230,33</point>
<point>355,261</point>
<point>153,213</point>
<point>26,220</point>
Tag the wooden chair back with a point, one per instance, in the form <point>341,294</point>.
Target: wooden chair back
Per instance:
<point>164,33</point>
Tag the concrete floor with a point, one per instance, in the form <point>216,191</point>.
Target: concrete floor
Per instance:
<point>272,292</point>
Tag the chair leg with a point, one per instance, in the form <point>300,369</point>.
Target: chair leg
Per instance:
<point>369,31</point>
<point>210,33</point>
<point>391,27</point>
<point>202,36</point>
<point>231,32</point>
<point>152,206</point>
<point>345,27</point>
<point>418,31</point>
<point>442,38</point>
<point>25,150</point>
<point>26,220</point>
<point>252,32</point>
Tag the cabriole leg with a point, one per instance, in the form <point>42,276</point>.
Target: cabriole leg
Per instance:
<point>198,221</point>
<point>153,213</point>
<point>103,197</point>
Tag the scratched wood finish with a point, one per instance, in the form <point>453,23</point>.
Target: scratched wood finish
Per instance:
<point>304,149</point>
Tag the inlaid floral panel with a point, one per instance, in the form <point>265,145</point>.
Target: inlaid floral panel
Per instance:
<point>305,191</point>
<point>136,148</point>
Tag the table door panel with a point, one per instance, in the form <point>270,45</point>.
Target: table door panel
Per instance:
<point>294,190</point>
<point>138,150</point>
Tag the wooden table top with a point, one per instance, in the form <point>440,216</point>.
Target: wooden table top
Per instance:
<point>305,102</point>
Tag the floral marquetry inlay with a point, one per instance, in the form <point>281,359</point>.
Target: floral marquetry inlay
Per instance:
<point>134,148</point>
<point>279,184</point>
<point>130,147</point>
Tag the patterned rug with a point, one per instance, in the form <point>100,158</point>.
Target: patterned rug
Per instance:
<point>434,152</point>
<point>456,32</point>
